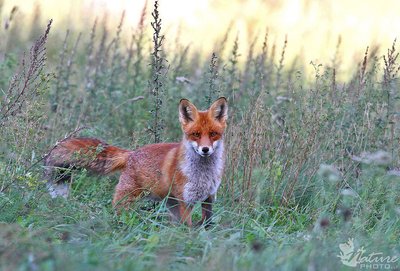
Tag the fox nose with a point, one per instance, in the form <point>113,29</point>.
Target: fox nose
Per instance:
<point>205,149</point>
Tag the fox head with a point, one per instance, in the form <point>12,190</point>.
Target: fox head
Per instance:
<point>203,129</point>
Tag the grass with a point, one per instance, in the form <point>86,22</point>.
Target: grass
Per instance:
<point>310,163</point>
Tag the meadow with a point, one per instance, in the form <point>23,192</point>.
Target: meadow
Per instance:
<point>312,160</point>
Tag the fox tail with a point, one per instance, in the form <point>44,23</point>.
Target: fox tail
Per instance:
<point>90,153</point>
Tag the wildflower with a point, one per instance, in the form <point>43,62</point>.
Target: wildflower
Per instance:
<point>257,246</point>
<point>394,172</point>
<point>324,223</point>
<point>306,237</point>
<point>378,158</point>
<point>348,192</point>
<point>321,224</point>
<point>183,79</point>
<point>346,213</point>
<point>329,172</point>
<point>282,99</point>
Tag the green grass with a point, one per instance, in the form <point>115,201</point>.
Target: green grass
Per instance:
<point>308,161</point>
<point>84,233</point>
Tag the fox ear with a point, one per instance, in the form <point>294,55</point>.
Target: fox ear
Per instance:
<point>187,111</point>
<point>219,109</point>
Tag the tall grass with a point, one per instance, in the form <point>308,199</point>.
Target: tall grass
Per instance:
<point>309,163</point>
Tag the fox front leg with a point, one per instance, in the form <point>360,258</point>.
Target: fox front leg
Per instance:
<point>206,212</point>
<point>185,213</point>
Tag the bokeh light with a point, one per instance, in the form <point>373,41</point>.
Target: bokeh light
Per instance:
<point>313,27</point>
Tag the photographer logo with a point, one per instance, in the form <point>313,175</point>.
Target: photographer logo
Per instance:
<point>353,257</point>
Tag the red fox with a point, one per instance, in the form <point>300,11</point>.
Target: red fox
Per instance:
<point>186,172</point>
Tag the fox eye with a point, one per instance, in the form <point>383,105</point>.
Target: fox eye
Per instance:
<point>196,134</point>
<point>212,134</point>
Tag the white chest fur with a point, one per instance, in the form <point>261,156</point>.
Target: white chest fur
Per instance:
<point>203,173</point>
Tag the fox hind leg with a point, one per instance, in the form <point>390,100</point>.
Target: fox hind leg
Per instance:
<point>126,192</point>
<point>173,208</point>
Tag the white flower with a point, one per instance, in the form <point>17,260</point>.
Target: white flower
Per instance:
<point>348,192</point>
<point>379,158</point>
<point>183,79</point>
<point>281,99</point>
<point>394,172</point>
<point>329,172</point>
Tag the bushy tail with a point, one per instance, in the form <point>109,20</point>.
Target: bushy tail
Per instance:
<point>90,153</point>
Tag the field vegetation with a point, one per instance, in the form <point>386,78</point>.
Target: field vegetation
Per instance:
<point>311,160</point>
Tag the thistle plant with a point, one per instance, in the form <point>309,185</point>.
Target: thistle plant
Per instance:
<point>232,70</point>
<point>156,84</point>
<point>139,39</point>
<point>212,77</point>
<point>116,59</point>
<point>27,82</point>
<point>281,62</point>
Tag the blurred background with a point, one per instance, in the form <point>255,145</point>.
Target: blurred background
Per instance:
<point>312,146</point>
<point>313,27</point>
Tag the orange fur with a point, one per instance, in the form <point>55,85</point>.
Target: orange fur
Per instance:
<point>89,153</point>
<point>154,168</point>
